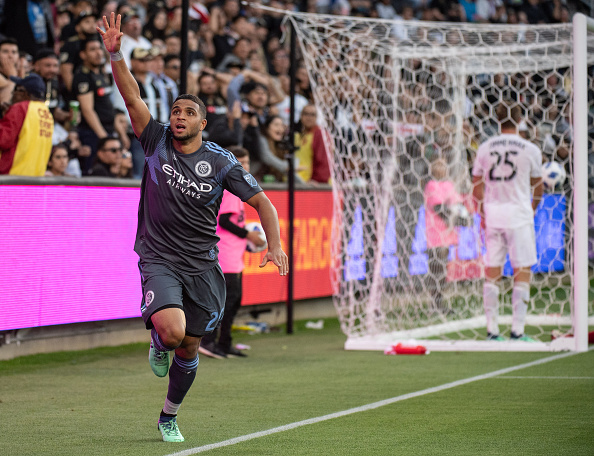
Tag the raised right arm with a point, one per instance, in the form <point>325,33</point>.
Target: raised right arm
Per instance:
<point>127,85</point>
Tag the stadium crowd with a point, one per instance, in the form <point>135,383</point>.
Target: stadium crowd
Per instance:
<point>238,65</point>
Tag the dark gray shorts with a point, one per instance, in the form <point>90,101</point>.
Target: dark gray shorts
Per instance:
<point>202,297</point>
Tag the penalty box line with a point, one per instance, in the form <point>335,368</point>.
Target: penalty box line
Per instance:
<point>373,405</point>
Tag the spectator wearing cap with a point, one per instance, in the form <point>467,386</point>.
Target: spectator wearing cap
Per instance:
<point>31,24</point>
<point>46,65</point>
<point>92,87</point>
<point>70,59</point>
<point>131,27</point>
<point>26,130</point>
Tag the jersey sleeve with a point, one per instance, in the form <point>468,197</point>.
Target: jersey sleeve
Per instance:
<point>151,136</point>
<point>241,183</point>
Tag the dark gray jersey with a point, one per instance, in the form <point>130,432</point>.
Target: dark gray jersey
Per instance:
<point>180,199</point>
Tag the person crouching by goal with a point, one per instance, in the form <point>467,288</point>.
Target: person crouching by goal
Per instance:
<point>440,197</point>
<point>507,187</point>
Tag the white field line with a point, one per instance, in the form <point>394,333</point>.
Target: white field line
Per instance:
<point>364,408</point>
<point>546,378</point>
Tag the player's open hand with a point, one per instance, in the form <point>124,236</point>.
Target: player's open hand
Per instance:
<point>112,37</point>
<point>279,258</point>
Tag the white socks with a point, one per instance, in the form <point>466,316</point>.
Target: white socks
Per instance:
<point>491,305</point>
<point>520,299</point>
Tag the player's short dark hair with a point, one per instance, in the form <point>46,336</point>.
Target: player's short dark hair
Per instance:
<point>238,151</point>
<point>509,113</point>
<point>195,99</point>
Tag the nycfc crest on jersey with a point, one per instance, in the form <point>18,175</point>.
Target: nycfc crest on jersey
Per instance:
<point>203,168</point>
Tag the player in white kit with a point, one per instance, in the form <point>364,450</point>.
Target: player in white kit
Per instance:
<point>507,186</point>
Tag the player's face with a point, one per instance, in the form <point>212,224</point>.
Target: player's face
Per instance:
<point>186,122</point>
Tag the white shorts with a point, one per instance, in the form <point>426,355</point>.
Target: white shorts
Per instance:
<point>518,242</point>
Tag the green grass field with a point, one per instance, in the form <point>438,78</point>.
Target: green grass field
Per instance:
<point>106,402</point>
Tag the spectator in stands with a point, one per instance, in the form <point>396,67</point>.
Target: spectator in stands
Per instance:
<point>272,150</point>
<point>213,96</point>
<point>160,68</point>
<point>26,130</point>
<point>311,155</point>
<point>233,240</point>
<point>172,71</point>
<point>283,108</point>
<point>76,8</point>
<point>9,58</point>
<point>279,62</point>
<point>155,25</point>
<point>238,56</point>
<point>58,162</point>
<point>109,154</point>
<point>225,40</point>
<point>46,64</point>
<point>535,12</point>
<point>132,39</point>
<point>70,59</point>
<point>229,130</point>
<point>123,168</point>
<point>91,87</point>
<point>31,24</point>
<point>222,15</point>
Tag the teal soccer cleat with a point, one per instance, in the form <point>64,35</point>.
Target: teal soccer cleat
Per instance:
<point>159,361</point>
<point>170,431</point>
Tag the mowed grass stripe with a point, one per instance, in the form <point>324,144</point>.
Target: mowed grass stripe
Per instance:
<point>368,407</point>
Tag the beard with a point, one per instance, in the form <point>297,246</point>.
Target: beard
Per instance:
<point>185,137</point>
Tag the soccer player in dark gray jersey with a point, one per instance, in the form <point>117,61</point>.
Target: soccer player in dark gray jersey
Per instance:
<point>184,178</point>
<point>180,199</point>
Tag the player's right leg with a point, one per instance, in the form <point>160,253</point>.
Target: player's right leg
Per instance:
<point>522,256</point>
<point>162,313</point>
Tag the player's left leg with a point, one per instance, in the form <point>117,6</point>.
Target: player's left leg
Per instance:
<point>496,243</point>
<point>520,300</point>
<point>181,377</point>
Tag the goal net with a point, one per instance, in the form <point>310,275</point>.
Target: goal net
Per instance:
<point>407,104</point>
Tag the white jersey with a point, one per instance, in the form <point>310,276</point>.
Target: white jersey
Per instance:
<point>506,163</point>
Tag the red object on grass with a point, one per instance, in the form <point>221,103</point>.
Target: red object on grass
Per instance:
<point>401,349</point>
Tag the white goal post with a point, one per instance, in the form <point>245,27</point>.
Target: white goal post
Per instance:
<point>402,99</point>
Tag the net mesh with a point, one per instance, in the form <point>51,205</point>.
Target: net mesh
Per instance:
<point>401,99</point>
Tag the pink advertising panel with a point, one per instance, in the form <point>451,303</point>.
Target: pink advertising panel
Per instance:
<point>66,255</point>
